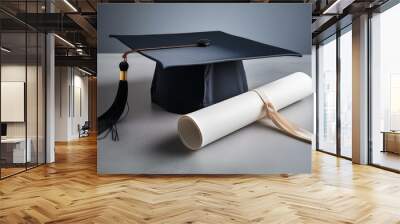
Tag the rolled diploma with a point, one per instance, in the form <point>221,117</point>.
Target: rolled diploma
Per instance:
<point>202,127</point>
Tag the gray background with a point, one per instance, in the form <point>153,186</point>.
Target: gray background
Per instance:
<point>149,143</point>
<point>281,25</point>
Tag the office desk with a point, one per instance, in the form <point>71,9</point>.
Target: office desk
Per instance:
<point>391,141</point>
<point>13,150</point>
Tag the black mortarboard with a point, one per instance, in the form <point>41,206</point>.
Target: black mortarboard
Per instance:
<point>195,70</point>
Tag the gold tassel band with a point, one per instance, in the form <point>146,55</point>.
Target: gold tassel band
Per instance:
<point>122,75</point>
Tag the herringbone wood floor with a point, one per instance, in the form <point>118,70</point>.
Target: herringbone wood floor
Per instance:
<point>70,191</point>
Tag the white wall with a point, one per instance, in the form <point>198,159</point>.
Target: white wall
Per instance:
<point>61,103</point>
<point>14,72</point>
<point>70,83</point>
<point>17,72</point>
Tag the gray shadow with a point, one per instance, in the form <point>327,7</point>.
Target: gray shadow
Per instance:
<point>171,146</point>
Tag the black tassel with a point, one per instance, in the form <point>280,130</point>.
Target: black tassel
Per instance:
<point>109,119</point>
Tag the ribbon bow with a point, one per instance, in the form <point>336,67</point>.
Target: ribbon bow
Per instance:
<point>281,122</point>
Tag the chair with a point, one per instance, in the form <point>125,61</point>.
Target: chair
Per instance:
<point>84,129</point>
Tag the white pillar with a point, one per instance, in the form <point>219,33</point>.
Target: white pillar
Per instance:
<point>314,78</point>
<point>50,98</point>
<point>360,90</point>
<point>50,92</point>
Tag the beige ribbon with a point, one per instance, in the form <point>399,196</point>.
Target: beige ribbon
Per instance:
<point>281,122</point>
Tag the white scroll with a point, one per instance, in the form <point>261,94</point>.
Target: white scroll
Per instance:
<point>202,127</point>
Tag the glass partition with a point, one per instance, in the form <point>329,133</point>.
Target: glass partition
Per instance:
<point>13,95</point>
<point>22,77</point>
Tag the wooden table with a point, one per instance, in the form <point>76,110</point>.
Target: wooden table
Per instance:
<point>391,141</point>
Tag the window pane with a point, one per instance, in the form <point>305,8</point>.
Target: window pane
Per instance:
<point>327,96</point>
<point>385,84</point>
<point>346,94</point>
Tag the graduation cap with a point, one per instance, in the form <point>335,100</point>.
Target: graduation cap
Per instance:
<point>195,70</point>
